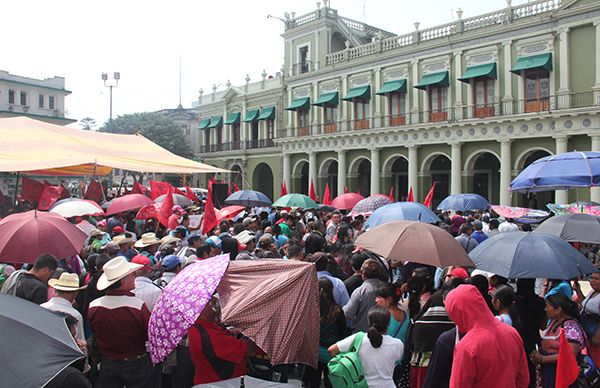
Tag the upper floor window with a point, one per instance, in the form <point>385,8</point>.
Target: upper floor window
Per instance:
<point>235,136</point>
<point>41,101</point>
<point>51,102</point>
<point>361,114</point>
<point>11,96</point>
<point>303,60</point>
<point>438,103</point>
<point>484,97</point>
<point>270,124</point>
<point>397,108</point>
<point>537,90</point>
<point>329,118</point>
<point>23,100</point>
<point>302,118</point>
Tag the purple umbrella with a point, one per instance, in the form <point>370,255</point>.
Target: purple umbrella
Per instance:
<point>181,303</point>
<point>370,204</point>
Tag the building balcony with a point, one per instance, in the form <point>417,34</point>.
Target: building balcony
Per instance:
<point>253,144</point>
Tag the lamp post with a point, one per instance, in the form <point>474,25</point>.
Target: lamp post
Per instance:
<point>111,85</point>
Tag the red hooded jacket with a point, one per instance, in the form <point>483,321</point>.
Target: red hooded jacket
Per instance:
<point>491,353</point>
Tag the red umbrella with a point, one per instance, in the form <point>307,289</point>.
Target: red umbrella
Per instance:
<point>25,236</point>
<point>128,202</point>
<point>346,201</point>
<point>148,211</point>
<point>229,212</point>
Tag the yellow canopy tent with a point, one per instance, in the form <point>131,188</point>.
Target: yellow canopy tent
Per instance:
<point>36,147</point>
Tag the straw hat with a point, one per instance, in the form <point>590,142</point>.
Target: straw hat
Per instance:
<point>96,232</point>
<point>168,239</point>
<point>115,270</point>
<point>122,239</point>
<point>66,282</point>
<point>147,240</point>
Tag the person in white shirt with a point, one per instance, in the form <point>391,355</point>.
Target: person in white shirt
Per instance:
<point>67,287</point>
<point>378,351</point>
<point>508,226</point>
<point>145,289</point>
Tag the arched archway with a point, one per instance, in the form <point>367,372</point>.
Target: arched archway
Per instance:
<point>534,200</point>
<point>337,42</point>
<point>485,180</point>
<point>329,173</point>
<point>363,177</point>
<point>236,176</point>
<point>300,178</point>
<point>439,169</point>
<point>262,179</point>
<point>399,175</point>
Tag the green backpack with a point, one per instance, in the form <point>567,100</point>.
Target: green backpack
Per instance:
<point>345,369</point>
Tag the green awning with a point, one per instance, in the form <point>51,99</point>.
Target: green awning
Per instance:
<point>232,118</point>
<point>397,86</point>
<point>204,123</point>
<point>251,115</point>
<point>216,121</point>
<point>327,99</point>
<point>359,93</point>
<point>487,70</point>
<point>434,79</point>
<point>267,113</point>
<point>540,61</point>
<point>300,104</point>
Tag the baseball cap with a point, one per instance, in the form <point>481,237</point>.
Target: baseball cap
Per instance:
<point>193,237</point>
<point>170,262</point>
<point>143,260</point>
<point>460,273</point>
<point>118,230</point>
<point>248,220</point>
<point>214,241</point>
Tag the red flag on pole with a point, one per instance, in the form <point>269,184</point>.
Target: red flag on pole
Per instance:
<point>210,216</point>
<point>31,190</point>
<point>138,188</point>
<point>311,191</point>
<point>50,195</point>
<point>411,197</point>
<point>567,369</point>
<point>158,188</point>
<point>346,191</point>
<point>326,195</point>
<point>392,194</point>
<point>429,198</point>
<point>94,191</point>
<point>235,188</point>
<point>177,191</point>
<point>190,194</point>
<point>166,209</point>
<point>283,189</point>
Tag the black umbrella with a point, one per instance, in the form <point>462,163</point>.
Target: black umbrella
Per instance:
<point>36,343</point>
<point>577,227</point>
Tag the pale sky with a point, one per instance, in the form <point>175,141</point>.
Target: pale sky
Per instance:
<point>143,40</point>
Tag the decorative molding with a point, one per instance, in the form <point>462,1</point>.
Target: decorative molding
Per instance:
<point>481,58</point>
<point>301,92</point>
<point>328,87</point>
<point>360,81</point>
<point>390,75</point>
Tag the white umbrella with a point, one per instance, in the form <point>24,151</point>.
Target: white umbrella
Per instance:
<point>78,207</point>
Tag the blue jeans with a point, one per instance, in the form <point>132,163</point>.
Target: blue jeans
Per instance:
<point>120,373</point>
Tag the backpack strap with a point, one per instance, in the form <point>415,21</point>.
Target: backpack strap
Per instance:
<point>357,341</point>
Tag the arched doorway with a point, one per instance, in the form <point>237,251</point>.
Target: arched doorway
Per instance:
<point>329,173</point>
<point>236,177</point>
<point>399,173</point>
<point>486,176</point>
<point>300,178</point>
<point>540,199</point>
<point>440,173</point>
<point>363,178</point>
<point>262,179</point>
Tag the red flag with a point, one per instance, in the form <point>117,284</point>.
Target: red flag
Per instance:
<point>31,190</point>
<point>411,197</point>
<point>283,190</point>
<point>311,191</point>
<point>65,192</point>
<point>50,195</point>
<point>210,216</point>
<point>346,191</point>
<point>138,188</point>
<point>392,194</point>
<point>326,195</point>
<point>235,188</point>
<point>213,179</point>
<point>429,198</point>
<point>567,369</point>
<point>190,194</point>
<point>166,209</point>
<point>177,191</point>
<point>158,188</point>
<point>94,191</point>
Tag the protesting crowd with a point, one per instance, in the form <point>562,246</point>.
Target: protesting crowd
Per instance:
<point>402,324</point>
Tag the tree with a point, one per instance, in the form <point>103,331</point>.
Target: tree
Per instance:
<point>155,127</point>
<point>88,123</point>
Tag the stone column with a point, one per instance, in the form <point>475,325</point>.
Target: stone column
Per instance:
<point>316,128</point>
<point>341,179</point>
<point>508,92</point>
<point>414,96</point>
<point>243,127</point>
<point>597,85</point>
<point>312,169</point>
<point>457,86</point>
<point>375,171</point>
<point>376,122</point>
<point>595,191</point>
<point>562,142</point>
<point>413,170</point>
<point>505,172</point>
<point>343,104</point>
<point>287,172</point>
<point>563,86</point>
<point>290,116</point>
<point>455,170</point>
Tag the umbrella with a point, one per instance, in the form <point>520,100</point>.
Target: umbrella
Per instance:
<point>559,172</point>
<point>416,242</point>
<point>36,344</point>
<point>275,303</point>
<point>346,201</point>
<point>25,236</point>
<point>106,204</point>
<point>401,211</point>
<point>229,212</point>
<point>86,227</point>
<point>572,228</point>
<point>464,202</point>
<point>530,255</point>
<point>370,204</point>
<point>248,198</point>
<point>128,202</point>
<point>327,208</point>
<point>148,211</point>
<point>73,207</point>
<point>180,304</point>
<point>296,200</point>
<point>178,199</point>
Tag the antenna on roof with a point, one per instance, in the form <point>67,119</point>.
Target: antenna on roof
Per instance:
<point>180,81</point>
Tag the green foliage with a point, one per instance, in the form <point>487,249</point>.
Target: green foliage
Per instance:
<point>87,123</point>
<point>155,127</point>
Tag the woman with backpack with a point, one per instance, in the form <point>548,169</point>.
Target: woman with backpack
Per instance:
<point>377,352</point>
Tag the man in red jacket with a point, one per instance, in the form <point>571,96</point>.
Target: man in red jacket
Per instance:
<point>491,353</point>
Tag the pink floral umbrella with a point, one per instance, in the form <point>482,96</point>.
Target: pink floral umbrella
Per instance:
<point>180,304</point>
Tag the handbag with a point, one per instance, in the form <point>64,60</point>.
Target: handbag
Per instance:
<point>589,376</point>
<point>589,323</point>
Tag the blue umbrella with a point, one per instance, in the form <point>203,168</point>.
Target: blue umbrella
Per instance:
<point>559,172</point>
<point>464,202</point>
<point>248,198</point>
<point>530,255</point>
<point>401,211</point>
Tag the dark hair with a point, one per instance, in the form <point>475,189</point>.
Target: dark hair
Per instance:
<point>294,250</point>
<point>419,283</point>
<point>507,297</point>
<point>318,225</point>
<point>526,228</point>
<point>326,300</point>
<point>357,260</point>
<point>481,283</point>
<point>238,228</point>
<point>321,261</point>
<point>569,307</point>
<point>379,320</point>
<point>389,290</point>
<point>343,234</point>
<point>101,260</point>
<point>115,285</point>
<point>264,224</point>
<point>204,248</point>
<point>464,228</point>
<point>223,226</point>
<point>230,245</point>
<point>45,261</point>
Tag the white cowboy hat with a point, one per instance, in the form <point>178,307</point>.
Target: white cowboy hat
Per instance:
<point>66,282</point>
<point>122,239</point>
<point>115,270</point>
<point>96,232</point>
<point>168,239</point>
<point>147,240</point>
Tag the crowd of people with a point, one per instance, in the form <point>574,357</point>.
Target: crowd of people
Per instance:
<point>425,326</point>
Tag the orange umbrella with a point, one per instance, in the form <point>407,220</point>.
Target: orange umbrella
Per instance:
<point>416,242</point>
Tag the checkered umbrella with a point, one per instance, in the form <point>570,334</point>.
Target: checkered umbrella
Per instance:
<point>370,204</point>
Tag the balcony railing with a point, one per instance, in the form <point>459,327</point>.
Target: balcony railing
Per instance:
<point>259,143</point>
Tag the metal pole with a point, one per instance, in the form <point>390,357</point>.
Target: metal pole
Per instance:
<point>16,188</point>
<point>110,119</point>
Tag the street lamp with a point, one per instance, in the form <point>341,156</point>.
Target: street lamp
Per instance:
<point>111,85</point>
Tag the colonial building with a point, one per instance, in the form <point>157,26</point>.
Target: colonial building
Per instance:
<point>39,99</point>
<point>467,104</point>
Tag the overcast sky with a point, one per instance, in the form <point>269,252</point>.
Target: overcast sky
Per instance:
<point>143,40</point>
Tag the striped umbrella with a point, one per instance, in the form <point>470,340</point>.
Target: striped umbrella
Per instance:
<point>368,205</point>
